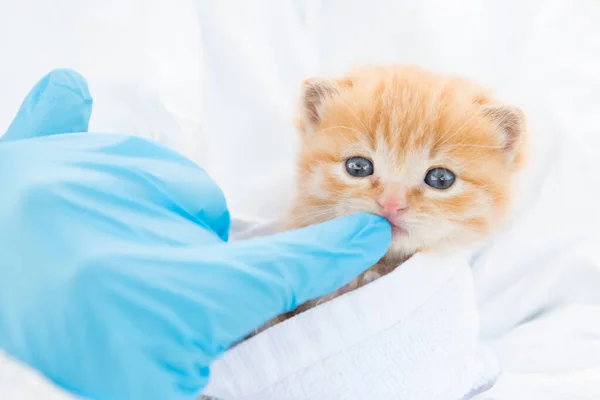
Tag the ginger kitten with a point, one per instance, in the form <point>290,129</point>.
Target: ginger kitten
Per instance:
<point>434,154</point>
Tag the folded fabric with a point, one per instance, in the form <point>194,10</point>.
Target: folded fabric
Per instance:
<point>412,335</point>
<point>20,382</point>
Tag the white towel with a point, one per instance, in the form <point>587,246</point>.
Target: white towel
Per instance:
<point>411,335</point>
<point>18,381</point>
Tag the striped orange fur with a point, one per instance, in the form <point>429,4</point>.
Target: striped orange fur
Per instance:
<point>407,120</point>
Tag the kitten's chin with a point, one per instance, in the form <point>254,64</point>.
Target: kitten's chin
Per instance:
<point>400,250</point>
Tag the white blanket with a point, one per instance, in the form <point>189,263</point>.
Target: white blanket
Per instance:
<point>411,336</point>
<point>218,80</point>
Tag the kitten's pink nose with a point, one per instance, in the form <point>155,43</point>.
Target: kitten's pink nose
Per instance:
<point>392,206</point>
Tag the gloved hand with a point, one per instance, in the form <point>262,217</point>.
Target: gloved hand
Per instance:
<point>116,278</point>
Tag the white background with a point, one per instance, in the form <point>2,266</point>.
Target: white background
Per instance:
<point>218,80</point>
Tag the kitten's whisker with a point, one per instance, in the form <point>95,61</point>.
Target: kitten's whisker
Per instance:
<point>456,131</point>
<point>313,217</point>
<point>459,145</point>
<point>342,127</point>
<point>353,113</point>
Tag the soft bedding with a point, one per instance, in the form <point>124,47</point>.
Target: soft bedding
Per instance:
<point>412,336</point>
<point>218,81</point>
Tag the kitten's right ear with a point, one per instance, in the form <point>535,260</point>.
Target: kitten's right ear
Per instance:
<point>315,91</point>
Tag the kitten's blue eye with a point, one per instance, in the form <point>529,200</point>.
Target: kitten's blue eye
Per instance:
<point>440,178</point>
<point>359,167</point>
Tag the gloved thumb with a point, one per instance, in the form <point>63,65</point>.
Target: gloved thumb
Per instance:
<point>313,261</point>
<point>271,275</point>
<point>59,103</point>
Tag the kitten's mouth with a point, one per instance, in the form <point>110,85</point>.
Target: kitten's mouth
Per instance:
<point>398,229</point>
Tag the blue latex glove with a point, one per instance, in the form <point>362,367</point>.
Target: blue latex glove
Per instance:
<point>116,278</point>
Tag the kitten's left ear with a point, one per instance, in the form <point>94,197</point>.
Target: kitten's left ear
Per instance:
<point>315,92</point>
<point>511,123</point>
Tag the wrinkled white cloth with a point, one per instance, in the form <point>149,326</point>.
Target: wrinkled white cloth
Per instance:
<point>19,382</point>
<point>412,335</point>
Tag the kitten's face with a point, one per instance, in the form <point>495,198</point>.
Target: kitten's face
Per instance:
<point>434,155</point>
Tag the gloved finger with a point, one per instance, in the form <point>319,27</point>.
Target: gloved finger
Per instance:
<point>198,301</point>
<point>265,277</point>
<point>318,259</point>
<point>59,103</point>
